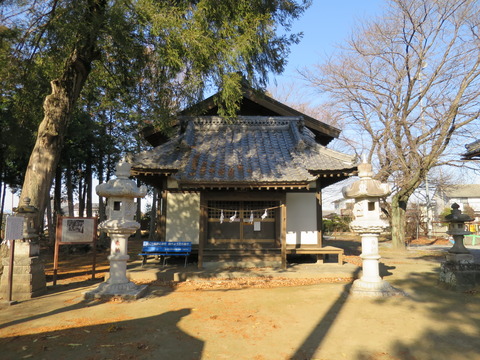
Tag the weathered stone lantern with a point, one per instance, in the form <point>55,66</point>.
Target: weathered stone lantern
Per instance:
<point>29,213</point>
<point>456,227</point>
<point>459,272</point>
<point>368,222</point>
<point>120,193</point>
<point>28,269</point>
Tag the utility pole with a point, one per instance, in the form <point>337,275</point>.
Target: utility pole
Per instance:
<point>427,190</point>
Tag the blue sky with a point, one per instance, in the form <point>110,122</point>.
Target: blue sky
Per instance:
<point>325,24</point>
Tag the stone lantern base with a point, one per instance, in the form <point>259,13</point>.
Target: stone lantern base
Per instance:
<point>126,291</point>
<point>374,289</point>
<point>28,273</point>
<point>459,275</point>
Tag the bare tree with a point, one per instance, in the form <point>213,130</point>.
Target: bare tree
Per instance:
<point>409,80</point>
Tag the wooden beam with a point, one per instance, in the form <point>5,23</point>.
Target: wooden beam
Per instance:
<point>283,234</point>
<point>162,211</point>
<point>318,202</point>
<point>202,237</point>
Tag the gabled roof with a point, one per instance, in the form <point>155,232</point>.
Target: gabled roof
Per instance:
<point>252,151</point>
<point>463,191</point>
<point>253,103</point>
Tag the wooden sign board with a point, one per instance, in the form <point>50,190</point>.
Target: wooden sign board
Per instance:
<point>75,230</point>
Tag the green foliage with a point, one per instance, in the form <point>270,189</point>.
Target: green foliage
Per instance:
<point>446,211</point>
<point>144,60</point>
<point>336,223</point>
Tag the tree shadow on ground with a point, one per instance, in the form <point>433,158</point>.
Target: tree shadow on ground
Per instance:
<point>155,337</point>
<point>445,342</point>
<point>82,304</point>
<point>307,349</point>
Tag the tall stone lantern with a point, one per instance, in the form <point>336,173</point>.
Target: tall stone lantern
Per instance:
<point>120,193</point>
<point>368,222</point>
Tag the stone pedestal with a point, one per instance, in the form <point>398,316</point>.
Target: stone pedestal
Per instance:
<point>118,285</point>
<point>28,273</point>
<point>371,284</point>
<point>459,276</point>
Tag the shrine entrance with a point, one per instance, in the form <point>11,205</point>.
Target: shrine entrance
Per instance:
<point>243,224</point>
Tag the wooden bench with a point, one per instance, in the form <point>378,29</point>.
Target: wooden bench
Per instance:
<point>165,248</point>
<point>326,250</point>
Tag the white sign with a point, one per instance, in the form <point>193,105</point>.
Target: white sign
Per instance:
<point>14,229</point>
<point>77,230</point>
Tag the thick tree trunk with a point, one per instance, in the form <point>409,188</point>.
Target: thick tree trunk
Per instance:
<point>398,208</point>
<point>46,152</point>
<point>58,106</point>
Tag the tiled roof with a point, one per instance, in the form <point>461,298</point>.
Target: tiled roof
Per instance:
<point>210,150</point>
<point>473,150</point>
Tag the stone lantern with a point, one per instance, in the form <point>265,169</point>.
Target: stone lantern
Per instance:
<point>456,227</point>
<point>459,272</point>
<point>368,222</point>
<point>120,193</point>
<point>27,268</point>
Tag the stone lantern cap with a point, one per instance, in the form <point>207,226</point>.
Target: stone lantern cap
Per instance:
<point>26,207</point>
<point>122,186</point>
<point>366,186</point>
<point>456,216</point>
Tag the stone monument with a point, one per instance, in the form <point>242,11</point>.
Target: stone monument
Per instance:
<point>121,207</point>
<point>459,271</point>
<point>28,275</point>
<point>368,222</point>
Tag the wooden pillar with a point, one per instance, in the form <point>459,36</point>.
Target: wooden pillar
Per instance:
<point>318,202</point>
<point>161,229</point>
<point>283,234</point>
<point>202,228</point>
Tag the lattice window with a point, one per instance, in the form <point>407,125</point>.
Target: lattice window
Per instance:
<point>242,208</point>
<point>229,207</point>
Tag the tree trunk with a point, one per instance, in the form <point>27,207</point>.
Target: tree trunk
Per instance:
<point>58,106</point>
<point>69,185</point>
<point>101,204</point>
<point>138,216</point>
<point>81,197</point>
<point>57,194</point>
<point>3,187</point>
<point>89,188</point>
<point>50,226</point>
<point>398,208</point>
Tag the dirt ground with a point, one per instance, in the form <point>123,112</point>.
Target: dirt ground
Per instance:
<point>251,319</point>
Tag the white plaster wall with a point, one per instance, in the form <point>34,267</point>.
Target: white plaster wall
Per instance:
<point>301,218</point>
<point>474,203</point>
<point>183,214</point>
